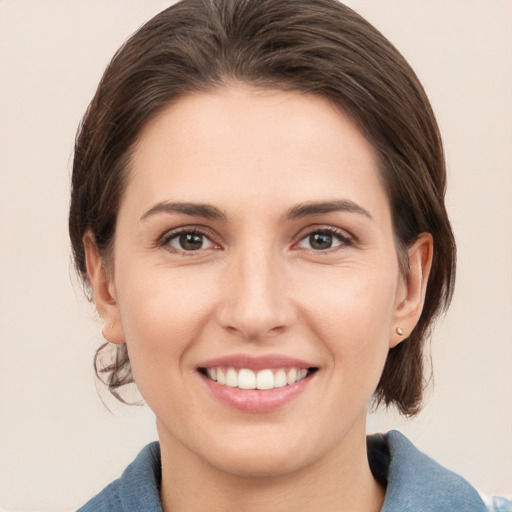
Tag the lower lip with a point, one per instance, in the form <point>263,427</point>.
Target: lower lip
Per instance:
<point>254,400</point>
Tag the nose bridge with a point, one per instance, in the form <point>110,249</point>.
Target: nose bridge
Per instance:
<point>254,300</point>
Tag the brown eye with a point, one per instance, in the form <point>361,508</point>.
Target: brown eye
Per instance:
<point>189,241</point>
<point>325,239</point>
<point>320,241</point>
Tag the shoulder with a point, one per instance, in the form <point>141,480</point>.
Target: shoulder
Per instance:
<point>136,489</point>
<point>497,503</point>
<point>417,482</point>
<point>107,500</point>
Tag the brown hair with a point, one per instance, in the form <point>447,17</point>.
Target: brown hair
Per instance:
<point>317,46</point>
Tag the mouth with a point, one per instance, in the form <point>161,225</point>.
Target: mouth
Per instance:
<point>263,379</point>
<point>256,384</point>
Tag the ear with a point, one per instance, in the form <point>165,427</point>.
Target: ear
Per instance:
<point>412,289</point>
<point>103,291</point>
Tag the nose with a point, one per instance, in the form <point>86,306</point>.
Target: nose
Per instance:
<point>255,303</point>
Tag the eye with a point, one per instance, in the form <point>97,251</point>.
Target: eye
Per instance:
<point>324,239</point>
<point>189,241</point>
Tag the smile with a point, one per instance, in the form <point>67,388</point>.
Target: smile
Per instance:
<point>259,384</point>
<point>264,379</point>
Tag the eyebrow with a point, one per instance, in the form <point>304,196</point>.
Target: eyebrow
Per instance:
<point>297,212</point>
<point>193,209</point>
<point>320,208</point>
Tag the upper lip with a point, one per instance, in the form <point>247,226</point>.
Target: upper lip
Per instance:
<point>239,361</point>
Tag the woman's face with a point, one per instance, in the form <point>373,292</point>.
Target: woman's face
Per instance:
<point>254,245</point>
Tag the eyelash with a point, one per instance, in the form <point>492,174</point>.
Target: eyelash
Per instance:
<point>341,236</point>
<point>175,235</point>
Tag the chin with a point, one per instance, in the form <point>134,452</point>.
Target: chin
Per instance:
<point>258,463</point>
<point>257,456</point>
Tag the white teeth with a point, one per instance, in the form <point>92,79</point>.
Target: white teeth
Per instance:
<point>291,376</point>
<point>262,380</point>
<point>301,374</point>
<point>232,378</point>
<point>265,379</point>
<point>280,379</point>
<point>221,378</point>
<point>246,379</point>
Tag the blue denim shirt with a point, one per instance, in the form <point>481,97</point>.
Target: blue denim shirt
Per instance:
<point>414,482</point>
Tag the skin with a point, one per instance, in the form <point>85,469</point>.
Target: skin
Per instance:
<point>258,286</point>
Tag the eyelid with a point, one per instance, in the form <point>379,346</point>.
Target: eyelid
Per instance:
<point>342,235</point>
<point>163,240</point>
<point>345,237</point>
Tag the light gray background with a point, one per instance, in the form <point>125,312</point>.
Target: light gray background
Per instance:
<point>58,444</point>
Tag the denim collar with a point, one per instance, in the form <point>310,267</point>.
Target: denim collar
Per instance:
<point>413,481</point>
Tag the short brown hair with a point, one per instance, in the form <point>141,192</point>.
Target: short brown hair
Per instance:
<point>316,46</point>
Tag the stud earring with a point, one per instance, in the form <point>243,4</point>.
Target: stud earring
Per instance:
<point>399,331</point>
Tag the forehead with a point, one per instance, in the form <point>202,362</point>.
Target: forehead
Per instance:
<point>239,143</point>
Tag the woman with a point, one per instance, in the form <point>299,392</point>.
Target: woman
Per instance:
<point>257,207</point>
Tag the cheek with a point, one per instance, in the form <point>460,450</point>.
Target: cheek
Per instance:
<point>353,301</point>
<point>353,315</point>
<point>161,312</point>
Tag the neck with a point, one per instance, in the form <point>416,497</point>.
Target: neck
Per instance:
<point>340,481</point>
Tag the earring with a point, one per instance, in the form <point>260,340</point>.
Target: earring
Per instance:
<point>399,331</point>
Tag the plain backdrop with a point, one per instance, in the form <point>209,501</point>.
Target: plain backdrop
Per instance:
<point>58,443</point>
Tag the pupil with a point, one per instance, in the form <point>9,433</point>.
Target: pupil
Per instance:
<point>320,241</point>
<point>191,241</point>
